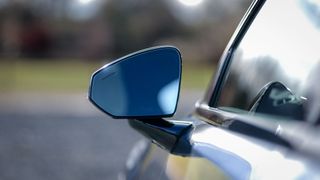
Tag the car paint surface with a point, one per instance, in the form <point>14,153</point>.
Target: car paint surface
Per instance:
<point>222,154</point>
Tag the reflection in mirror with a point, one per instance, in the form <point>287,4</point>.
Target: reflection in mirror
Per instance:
<point>142,84</point>
<point>278,100</point>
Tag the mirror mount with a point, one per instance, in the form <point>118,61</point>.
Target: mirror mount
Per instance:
<point>173,136</point>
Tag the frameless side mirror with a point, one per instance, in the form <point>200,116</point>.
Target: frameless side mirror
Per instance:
<point>140,85</point>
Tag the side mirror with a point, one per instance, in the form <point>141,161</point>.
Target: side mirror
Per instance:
<point>143,84</point>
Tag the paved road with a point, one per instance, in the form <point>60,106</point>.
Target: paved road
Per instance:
<point>61,136</point>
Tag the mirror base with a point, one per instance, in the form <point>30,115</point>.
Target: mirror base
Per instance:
<point>173,136</point>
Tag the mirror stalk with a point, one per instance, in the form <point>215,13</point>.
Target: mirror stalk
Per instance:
<point>173,136</point>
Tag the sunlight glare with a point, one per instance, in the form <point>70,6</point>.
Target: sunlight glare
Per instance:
<point>190,2</point>
<point>84,1</point>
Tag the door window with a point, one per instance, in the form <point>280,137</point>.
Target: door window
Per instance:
<point>275,70</point>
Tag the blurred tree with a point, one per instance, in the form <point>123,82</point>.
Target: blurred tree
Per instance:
<point>141,25</point>
<point>49,29</point>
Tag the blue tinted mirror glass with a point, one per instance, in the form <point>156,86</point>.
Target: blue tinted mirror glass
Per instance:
<point>142,84</point>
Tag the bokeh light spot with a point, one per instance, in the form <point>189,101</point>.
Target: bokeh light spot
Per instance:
<point>191,2</point>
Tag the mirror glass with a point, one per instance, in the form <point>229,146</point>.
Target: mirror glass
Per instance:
<point>142,84</point>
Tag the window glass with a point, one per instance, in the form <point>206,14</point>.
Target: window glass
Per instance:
<point>275,70</point>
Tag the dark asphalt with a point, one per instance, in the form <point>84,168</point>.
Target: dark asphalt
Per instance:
<point>61,136</point>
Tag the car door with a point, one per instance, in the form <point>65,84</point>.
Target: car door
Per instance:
<point>258,97</point>
<point>265,86</point>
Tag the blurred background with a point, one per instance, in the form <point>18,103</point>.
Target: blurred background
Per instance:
<point>48,51</point>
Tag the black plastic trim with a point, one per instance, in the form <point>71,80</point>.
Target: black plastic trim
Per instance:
<point>173,136</point>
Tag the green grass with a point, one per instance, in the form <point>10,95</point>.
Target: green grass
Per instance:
<point>195,76</point>
<point>75,75</point>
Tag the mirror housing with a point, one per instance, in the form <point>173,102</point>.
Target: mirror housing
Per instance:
<point>141,85</point>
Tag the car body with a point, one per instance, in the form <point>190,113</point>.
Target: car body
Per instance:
<point>259,117</point>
